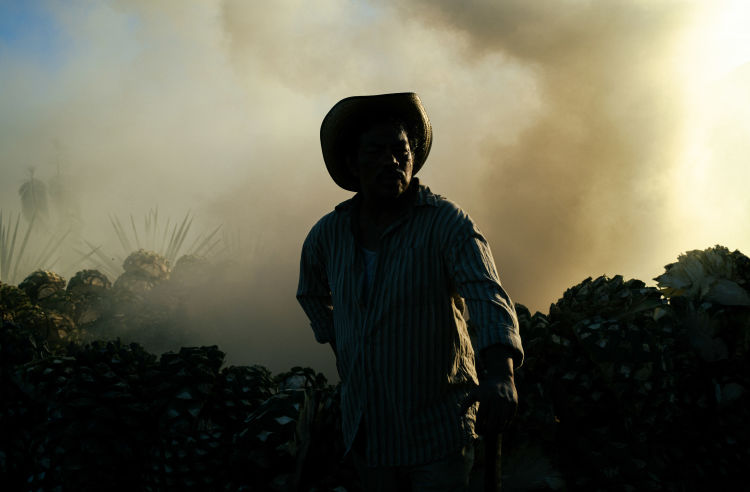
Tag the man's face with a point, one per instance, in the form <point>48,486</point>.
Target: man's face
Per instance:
<point>384,161</point>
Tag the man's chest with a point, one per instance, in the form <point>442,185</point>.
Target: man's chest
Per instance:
<point>409,269</point>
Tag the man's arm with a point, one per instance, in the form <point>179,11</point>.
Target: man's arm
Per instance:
<point>471,267</point>
<point>496,391</point>
<point>497,343</point>
<point>497,361</point>
<point>313,292</point>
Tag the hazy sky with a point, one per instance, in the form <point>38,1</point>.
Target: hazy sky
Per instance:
<point>585,138</point>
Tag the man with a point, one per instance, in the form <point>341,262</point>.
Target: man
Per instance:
<point>383,279</point>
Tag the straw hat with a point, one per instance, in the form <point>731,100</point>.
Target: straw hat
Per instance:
<point>348,118</point>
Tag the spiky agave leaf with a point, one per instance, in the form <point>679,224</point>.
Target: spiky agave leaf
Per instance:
<point>168,241</point>
<point>7,245</point>
<point>10,258</point>
<point>43,257</point>
<point>110,265</point>
<point>205,246</point>
<point>121,234</point>
<point>36,250</point>
<point>178,237</point>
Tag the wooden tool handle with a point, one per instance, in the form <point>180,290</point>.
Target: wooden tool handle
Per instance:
<point>492,462</point>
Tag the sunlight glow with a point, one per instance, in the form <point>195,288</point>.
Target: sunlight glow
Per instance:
<point>710,190</point>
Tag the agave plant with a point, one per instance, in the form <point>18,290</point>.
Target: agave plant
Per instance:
<point>33,249</point>
<point>39,243</point>
<point>167,240</point>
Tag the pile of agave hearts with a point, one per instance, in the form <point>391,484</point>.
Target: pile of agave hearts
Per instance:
<point>624,387</point>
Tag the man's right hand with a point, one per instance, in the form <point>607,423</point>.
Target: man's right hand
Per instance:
<point>498,401</point>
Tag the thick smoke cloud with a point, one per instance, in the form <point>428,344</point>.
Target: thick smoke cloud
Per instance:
<point>556,126</point>
<point>579,192</point>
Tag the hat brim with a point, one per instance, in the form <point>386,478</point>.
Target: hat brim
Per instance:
<point>340,124</point>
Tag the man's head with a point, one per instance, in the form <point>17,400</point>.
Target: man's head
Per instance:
<point>375,144</point>
<point>382,159</point>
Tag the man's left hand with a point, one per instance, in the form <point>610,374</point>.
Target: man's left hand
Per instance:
<point>498,401</point>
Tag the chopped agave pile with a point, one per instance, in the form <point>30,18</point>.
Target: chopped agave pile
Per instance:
<point>147,264</point>
<point>624,387</point>
<point>42,284</point>
<point>630,387</point>
<point>106,413</point>
<point>88,282</point>
<point>713,275</point>
<point>143,271</point>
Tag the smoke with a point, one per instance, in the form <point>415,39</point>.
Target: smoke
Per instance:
<point>581,191</point>
<point>555,127</point>
<point>150,112</point>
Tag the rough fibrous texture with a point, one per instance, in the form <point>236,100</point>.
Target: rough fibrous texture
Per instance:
<point>42,284</point>
<point>147,264</point>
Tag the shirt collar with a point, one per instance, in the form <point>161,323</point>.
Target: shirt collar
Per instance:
<point>424,197</point>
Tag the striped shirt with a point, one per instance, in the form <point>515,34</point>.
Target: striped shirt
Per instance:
<point>404,355</point>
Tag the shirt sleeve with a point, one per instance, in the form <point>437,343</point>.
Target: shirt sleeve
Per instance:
<point>472,269</point>
<point>313,291</point>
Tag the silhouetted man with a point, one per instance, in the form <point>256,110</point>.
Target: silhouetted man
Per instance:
<point>383,279</point>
